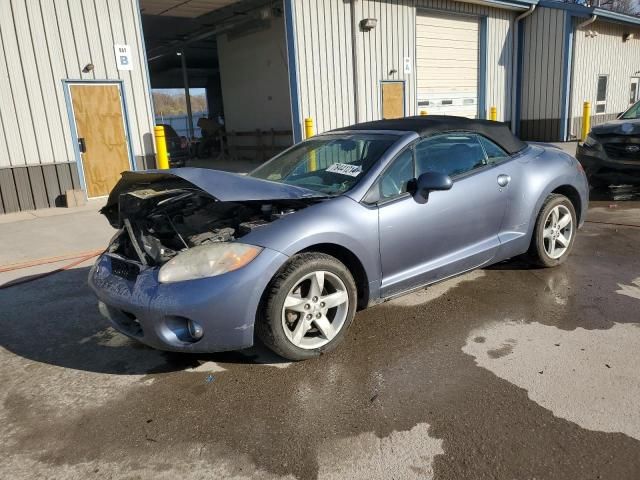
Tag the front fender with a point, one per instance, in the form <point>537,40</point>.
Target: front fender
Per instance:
<point>340,221</point>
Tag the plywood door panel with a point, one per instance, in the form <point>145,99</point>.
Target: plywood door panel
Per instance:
<point>99,121</point>
<point>392,99</point>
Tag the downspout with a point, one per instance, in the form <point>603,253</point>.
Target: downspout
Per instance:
<point>593,18</point>
<point>514,63</point>
<point>354,58</point>
<point>569,86</point>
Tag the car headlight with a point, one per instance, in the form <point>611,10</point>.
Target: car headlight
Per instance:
<point>590,141</point>
<point>207,261</point>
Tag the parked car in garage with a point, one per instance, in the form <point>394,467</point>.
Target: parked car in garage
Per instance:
<point>177,147</point>
<point>611,152</point>
<point>206,260</point>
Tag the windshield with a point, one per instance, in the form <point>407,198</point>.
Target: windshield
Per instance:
<point>330,164</point>
<point>633,113</point>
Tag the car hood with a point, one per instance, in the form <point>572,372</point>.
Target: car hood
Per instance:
<point>223,186</point>
<point>618,127</point>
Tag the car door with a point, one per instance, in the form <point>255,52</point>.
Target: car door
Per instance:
<point>453,231</point>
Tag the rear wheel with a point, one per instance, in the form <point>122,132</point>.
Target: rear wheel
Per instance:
<point>308,307</point>
<point>554,232</point>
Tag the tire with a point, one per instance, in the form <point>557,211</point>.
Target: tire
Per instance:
<point>547,249</point>
<point>297,283</point>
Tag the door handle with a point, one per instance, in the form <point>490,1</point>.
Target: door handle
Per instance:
<point>82,146</point>
<point>503,180</point>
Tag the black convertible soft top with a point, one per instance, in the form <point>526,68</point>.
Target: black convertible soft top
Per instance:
<point>432,124</point>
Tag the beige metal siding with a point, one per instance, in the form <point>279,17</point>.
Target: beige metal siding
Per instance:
<point>542,74</point>
<point>42,43</point>
<point>315,78</point>
<point>604,54</point>
<point>324,58</point>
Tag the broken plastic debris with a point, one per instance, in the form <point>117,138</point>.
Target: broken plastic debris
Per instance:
<point>209,379</point>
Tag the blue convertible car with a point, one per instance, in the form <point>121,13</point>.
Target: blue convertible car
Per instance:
<point>206,261</point>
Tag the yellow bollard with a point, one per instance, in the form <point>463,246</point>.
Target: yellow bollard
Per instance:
<point>493,114</point>
<point>308,133</point>
<point>586,120</point>
<point>423,113</point>
<point>162,156</point>
<point>308,127</point>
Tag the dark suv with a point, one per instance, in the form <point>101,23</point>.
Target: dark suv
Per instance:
<point>611,152</point>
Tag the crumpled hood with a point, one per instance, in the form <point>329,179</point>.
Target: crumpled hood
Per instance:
<point>223,186</point>
<point>618,127</point>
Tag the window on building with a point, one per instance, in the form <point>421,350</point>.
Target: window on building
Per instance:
<point>633,93</point>
<point>601,99</point>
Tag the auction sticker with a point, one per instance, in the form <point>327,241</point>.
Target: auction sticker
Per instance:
<point>345,169</point>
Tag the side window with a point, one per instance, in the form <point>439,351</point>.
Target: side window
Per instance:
<point>601,94</point>
<point>495,154</point>
<point>394,180</point>
<point>452,154</point>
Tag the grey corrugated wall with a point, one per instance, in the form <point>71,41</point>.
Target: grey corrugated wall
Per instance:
<point>542,75</point>
<point>42,43</point>
<point>324,59</point>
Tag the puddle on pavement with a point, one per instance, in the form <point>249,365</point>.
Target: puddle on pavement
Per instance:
<point>632,290</point>
<point>584,376</point>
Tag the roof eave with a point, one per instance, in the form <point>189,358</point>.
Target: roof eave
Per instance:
<point>582,11</point>
<point>517,5</point>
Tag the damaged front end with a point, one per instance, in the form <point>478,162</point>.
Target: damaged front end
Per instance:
<point>158,219</point>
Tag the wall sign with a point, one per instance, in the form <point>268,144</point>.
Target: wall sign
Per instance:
<point>407,65</point>
<point>123,57</point>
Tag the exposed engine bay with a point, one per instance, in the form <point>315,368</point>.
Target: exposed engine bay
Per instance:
<point>157,221</point>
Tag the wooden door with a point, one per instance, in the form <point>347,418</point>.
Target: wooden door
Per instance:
<point>392,99</point>
<point>100,128</point>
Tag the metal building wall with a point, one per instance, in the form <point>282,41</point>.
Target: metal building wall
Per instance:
<point>42,43</point>
<point>604,54</point>
<point>324,57</point>
<point>543,52</point>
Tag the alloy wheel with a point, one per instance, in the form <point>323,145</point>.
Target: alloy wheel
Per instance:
<point>315,310</point>
<point>558,231</point>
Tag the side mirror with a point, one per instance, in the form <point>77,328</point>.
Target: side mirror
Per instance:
<point>431,182</point>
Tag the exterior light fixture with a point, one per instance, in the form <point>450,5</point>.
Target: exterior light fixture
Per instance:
<point>627,36</point>
<point>368,24</point>
<point>88,68</point>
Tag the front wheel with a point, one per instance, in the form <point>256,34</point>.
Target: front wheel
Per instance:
<point>308,307</point>
<point>554,232</point>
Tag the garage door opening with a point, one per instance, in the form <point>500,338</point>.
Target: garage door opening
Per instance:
<point>448,59</point>
<point>234,52</point>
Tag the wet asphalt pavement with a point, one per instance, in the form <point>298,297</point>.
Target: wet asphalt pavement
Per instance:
<point>504,373</point>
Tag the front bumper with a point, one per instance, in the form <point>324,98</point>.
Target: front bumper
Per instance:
<point>156,313</point>
<point>597,163</point>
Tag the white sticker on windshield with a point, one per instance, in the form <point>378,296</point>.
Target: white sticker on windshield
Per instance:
<point>345,169</point>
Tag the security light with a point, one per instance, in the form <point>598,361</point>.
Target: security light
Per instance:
<point>368,24</point>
